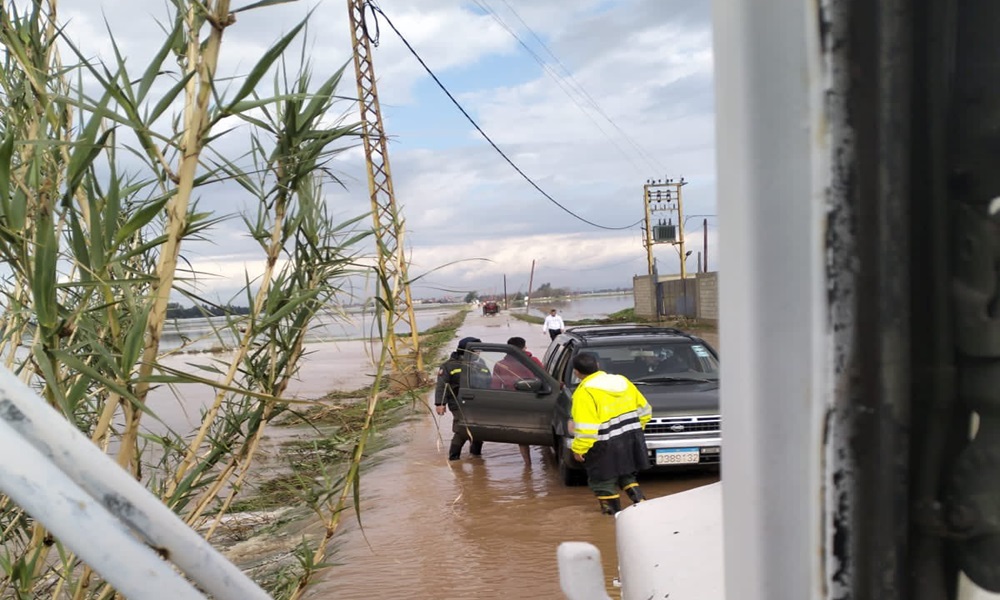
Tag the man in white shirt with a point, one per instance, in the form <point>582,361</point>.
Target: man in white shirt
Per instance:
<point>553,324</point>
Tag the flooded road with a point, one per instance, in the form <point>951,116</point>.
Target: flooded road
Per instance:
<point>473,528</point>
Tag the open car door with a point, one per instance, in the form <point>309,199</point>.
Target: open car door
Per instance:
<point>504,396</point>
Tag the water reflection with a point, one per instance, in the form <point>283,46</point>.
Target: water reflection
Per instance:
<point>583,307</point>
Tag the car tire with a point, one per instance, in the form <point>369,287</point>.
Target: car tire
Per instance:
<point>569,476</point>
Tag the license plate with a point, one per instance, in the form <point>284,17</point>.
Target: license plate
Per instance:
<point>677,456</point>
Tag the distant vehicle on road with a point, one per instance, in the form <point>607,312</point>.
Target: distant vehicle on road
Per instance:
<point>490,308</point>
<point>678,373</point>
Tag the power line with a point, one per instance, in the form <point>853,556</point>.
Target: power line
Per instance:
<point>583,91</point>
<point>560,81</point>
<point>483,133</point>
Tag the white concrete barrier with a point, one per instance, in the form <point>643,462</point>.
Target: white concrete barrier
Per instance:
<point>671,547</point>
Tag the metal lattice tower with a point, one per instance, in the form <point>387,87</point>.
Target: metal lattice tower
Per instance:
<point>387,219</point>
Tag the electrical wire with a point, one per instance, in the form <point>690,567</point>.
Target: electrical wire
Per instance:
<point>469,118</point>
<point>558,79</point>
<point>575,84</point>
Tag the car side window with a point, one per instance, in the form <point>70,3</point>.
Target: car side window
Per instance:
<point>504,369</point>
<point>564,367</point>
<point>552,355</point>
<point>479,371</point>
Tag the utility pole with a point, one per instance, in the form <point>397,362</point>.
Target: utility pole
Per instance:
<point>648,237</point>
<point>407,362</point>
<point>704,239</point>
<point>680,223</point>
<point>531,280</point>
<point>664,196</point>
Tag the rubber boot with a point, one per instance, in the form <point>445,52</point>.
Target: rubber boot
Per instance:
<point>611,505</point>
<point>455,449</point>
<point>476,448</point>
<point>635,494</point>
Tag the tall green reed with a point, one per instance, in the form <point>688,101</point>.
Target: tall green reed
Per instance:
<point>100,169</point>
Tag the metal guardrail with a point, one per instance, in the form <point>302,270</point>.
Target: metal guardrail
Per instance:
<point>105,516</point>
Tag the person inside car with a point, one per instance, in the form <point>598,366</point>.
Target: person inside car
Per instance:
<point>508,371</point>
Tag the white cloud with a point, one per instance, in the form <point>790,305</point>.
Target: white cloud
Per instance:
<point>647,63</point>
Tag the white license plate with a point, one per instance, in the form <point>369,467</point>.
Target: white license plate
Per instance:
<point>677,456</point>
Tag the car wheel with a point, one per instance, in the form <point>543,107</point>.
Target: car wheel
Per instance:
<point>568,475</point>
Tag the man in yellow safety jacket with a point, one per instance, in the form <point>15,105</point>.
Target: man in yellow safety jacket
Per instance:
<point>609,415</point>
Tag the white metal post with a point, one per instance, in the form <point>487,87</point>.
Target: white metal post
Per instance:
<point>55,462</point>
<point>771,150</point>
<point>581,576</point>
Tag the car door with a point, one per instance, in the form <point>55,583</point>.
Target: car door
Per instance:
<point>558,364</point>
<point>506,397</point>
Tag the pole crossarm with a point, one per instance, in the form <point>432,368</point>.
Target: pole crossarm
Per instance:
<point>387,218</point>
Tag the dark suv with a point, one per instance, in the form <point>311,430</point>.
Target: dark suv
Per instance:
<point>525,404</point>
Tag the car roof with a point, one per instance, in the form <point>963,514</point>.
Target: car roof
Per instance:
<point>600,334</point>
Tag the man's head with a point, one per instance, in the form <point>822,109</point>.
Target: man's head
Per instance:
<point>585,363</point>
<point>552,312</point>
<point>462,343</point>
<point>517,342</point>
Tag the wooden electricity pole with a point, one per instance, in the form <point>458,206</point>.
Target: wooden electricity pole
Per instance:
<point>531,280</point>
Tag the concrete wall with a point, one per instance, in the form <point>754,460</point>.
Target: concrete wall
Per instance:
<point>694,297</point>
<point>708,296</point>
<point>644,293</point>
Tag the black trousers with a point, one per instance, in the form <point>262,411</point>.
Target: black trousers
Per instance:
<point>461,435</point>
<point>554,332</point>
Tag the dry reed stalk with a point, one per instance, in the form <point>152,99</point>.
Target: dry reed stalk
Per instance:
<point>201,62</point>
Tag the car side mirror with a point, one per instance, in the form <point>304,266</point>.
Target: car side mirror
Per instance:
<point>529,385</point>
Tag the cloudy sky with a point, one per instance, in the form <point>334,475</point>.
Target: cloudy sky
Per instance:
<point>608,94</point>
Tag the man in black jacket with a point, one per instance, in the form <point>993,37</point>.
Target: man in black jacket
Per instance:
<point>446,394</point>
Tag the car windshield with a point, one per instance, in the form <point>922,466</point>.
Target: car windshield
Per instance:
<point>659,362</point>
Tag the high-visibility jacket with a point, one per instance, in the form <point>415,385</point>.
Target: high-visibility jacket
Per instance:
<point>609,415</point>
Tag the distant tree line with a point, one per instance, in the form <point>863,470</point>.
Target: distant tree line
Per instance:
<point>176,311</point>
<point>543,291</point>
<point>547,291</point>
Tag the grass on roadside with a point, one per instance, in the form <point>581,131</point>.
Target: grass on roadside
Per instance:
<point>435,339</point>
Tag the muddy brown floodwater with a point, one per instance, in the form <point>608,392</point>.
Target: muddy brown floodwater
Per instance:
<point>474,528</point>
